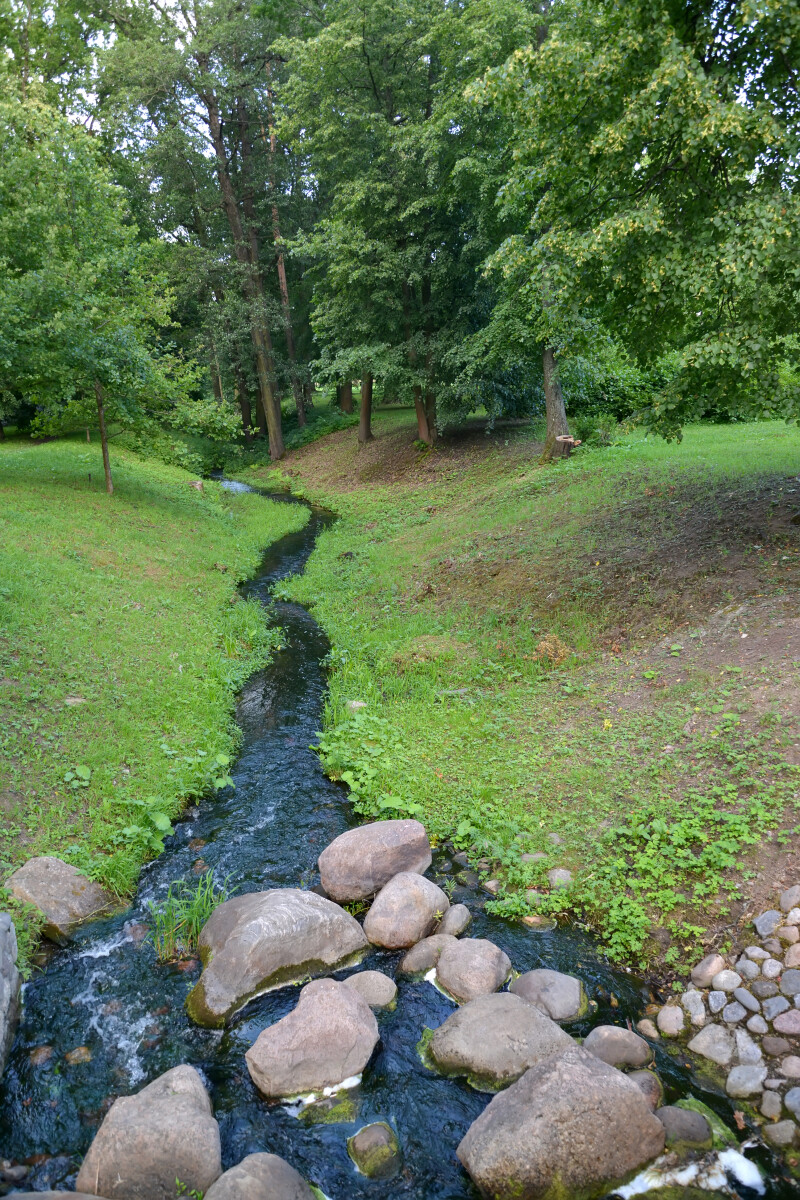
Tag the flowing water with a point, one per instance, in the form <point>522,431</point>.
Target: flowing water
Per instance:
<point>107,993</point>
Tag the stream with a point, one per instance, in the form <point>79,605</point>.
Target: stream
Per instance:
<point>106,992</point>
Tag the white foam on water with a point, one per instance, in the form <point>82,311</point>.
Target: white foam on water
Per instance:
<point>298,1104</point>
<point>743,1170</point>
<point>103,949</point>
<point>712,1174</point>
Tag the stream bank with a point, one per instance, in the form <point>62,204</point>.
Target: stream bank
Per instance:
<point>107,994</point>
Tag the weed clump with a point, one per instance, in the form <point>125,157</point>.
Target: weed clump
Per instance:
<point>178,920</point>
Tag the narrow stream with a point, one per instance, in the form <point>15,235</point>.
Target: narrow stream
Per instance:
<point>107,993</point>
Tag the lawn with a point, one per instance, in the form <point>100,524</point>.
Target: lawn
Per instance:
<point>594,662</point>
<point>122,644</point>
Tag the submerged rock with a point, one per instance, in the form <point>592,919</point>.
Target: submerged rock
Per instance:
<point>376,1151</point>
<point>64,897</point>
<point>260,1177</point>
<point>265,939</point>
<point>473,967</point>
<point>494,1039</point>
<point>405,911</point>
<point>561,997</point>
<point>328,1037</point>
<point>618,1047</point>
<point>358,863</point>
<point>572,1125</point>
<point>165,1132</point>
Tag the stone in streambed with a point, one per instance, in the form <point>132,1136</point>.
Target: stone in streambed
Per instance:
<point>10,985</point>
<point>166,1131</point>
<point>650,1086</point>
<point>260,1177</point>
<point>571,1126</point>
<point>425,955</point>
<point>63,896</point>
<point>405,911</point>
<point>376,1151</point>
<point>455,920</point>
<point>685,1129</point>
<point>745,1081</point>
<point>618,1047</point>
<point>256,942</point>
<point>358,863</point>
<point>328,1037</point>
<point>494,1039</point>
<point>670,1020</point>
<point>561,997</point>
<point>782,1134</point>
<point>471,968</point>
<point>714,1043</point>
<point>378,989</point>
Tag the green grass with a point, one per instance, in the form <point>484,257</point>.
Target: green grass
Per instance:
<point>179,919</point>
<point>502,623</point>
<point>122,644</point>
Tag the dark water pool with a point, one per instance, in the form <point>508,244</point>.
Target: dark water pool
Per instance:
<point>106,992</point>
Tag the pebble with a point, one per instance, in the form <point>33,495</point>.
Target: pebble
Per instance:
<point>790,1067</point>
<point>726,981</point>
<point>790,983</point>
<point>757,953</point>
<point>793,917</point>
<point>746,999</point>
<point>773,1084</point>
<point>764,988</point>
<point>670,1020</point>
<point>647,1028</point>
<point>771,1106</point>
<point>792,1101</point>
<point>694,1006</point>
<point>774,1006</point>
<point>775,1046</point>
<point>789,1023</point>
<point>789,934</point>
<point>768,922</point>
<point>748,969</point>
<point>781,1134</point>
<point>790,898</point>
<point>717,1001</point>
<point>792,958</point>
<point>705,971</point>
<point>757,1024</point>
<point>745,1081</point>
<point>771,968</point>
<point>774,946</point>
<point>746,1049</point>
<point>733,1013</point>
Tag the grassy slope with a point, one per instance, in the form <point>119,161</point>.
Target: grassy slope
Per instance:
<point>504,623</point>
<point>122,642</point>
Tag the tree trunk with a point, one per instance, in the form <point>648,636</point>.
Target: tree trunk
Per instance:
<point>430,417</point>
<point>2,432</point>
<point>243,399</point>
<point>422,417</point>
<point>308,394</point>
<point>554,404</point>
<point>346,396</point>
<point>216,381</point>
<point>101,419</point>
<point>246,249</point>
<point>365,412</point>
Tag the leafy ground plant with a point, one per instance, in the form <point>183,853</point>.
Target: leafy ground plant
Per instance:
<point>180,917</point>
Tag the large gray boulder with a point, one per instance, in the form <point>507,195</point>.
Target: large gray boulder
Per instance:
<point>63,896</point>
<point>495,1039</point>
<point>260,1177</point>
<point>165,1132</point>
<point>405,911</point>
<point>571,1126</point>
<point>9,986</point>
<point>264,940</point>
<point>359,862</point>
<point>327,1038</point>
<point>561,997</point>
<point>471,968</point>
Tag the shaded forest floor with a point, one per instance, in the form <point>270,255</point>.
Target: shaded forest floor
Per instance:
<point>595,661</point>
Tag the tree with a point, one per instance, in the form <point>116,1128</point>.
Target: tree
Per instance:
<point>79,309</point>
<point>661,201</point>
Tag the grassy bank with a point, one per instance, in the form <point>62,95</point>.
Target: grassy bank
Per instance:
<point>122,644</point>
<point>593,662</point>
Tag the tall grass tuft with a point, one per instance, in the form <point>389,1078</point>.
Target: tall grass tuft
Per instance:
<point>179,918</point>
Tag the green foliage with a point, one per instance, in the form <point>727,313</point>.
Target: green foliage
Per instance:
<point>178,920</point>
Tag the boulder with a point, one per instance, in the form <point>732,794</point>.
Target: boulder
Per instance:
<point>560,997</point>
<point>405,910</point>
<point>64,897</point>
<point>714,1043</point>
<point>260,941</point>
<point>618,1047</point>
<point>358,863</point>
<point>328,1037</point>
<point>650,1085</point>
<point>9,986</point>
<point>165,1132</point>
<point>376,1151</point>
<point>470,968</point>
<point>260,1177</point>
<point>378,989</point>
<point>455,920</point>
<point>425,955</point>
<point>495,1039</point>
<point>571,1126</point>
<point>685,1129</point>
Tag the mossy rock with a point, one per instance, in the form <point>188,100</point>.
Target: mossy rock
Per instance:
<point>722,1137</point>
<point>375,1150</point>
<point>341,1109</point>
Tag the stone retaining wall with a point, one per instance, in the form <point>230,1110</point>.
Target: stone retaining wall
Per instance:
<point>9,985</point>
